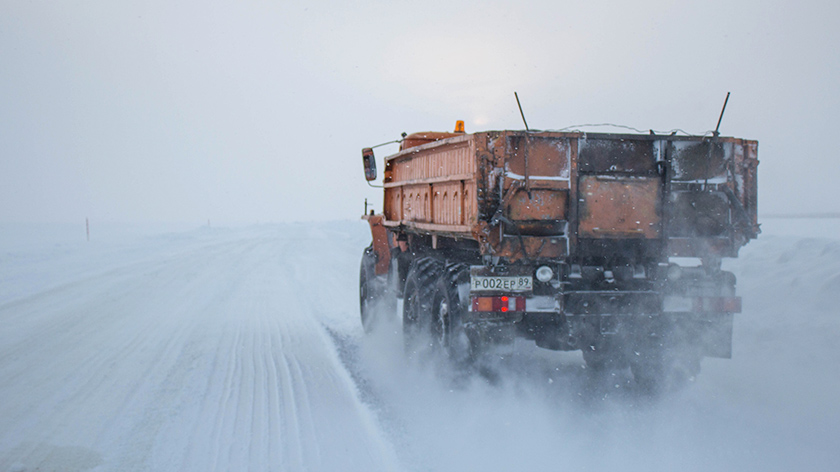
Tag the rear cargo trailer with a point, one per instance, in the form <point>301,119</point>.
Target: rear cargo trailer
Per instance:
<point>574,240</point>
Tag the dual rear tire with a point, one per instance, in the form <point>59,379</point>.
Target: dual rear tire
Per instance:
<point>449,305</point>
<point>433,307</point>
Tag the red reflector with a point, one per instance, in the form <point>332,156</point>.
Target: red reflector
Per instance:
<point>732,304</point>
<point>717,304</point>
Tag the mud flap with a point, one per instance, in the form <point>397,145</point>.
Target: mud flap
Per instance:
<point>717,336</point>
<point>492,338</point>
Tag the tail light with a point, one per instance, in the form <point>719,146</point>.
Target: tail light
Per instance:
<point>501,304</point>
<point>717,304</point>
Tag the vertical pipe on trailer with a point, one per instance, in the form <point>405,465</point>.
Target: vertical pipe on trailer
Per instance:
<point>527,130</point>
<point>714,141</point>
<point>717,128</point>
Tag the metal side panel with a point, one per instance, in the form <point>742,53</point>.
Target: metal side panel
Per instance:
<point>619,207</point>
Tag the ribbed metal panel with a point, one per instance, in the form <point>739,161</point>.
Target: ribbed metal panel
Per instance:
<point>433,185</point>
<point>417,204</point>
<point>470,209</point>
<point>449,160</point>
<point>447,204</point>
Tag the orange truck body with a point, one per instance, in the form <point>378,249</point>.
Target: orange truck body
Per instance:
<point>696,196</point>
<point>574,240</point>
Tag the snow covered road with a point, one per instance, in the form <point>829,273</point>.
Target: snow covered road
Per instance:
<point>240,349</point>
<point>207,358</point>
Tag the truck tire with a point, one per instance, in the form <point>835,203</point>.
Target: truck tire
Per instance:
<point>417,301</point>
<point>375,297</point>
<point>447,328</point>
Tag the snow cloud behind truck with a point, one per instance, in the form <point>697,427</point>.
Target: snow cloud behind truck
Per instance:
<point>571,239</point>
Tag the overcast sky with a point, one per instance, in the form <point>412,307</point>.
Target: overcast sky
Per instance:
<point>256,111</point>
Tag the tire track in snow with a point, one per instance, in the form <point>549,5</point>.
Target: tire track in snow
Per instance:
<point>91,374</point>
<point>258,443</point>
<point>206,361</point>
<point>311,365</point>
<point>166,394</point>
<point>281,432</point>
<point>305,396</point>
<point>226,404</point>
<point>195,454</point>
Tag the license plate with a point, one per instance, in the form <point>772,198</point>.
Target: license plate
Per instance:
<point>519,283</point>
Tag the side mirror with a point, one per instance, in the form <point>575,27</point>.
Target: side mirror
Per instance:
<point>370,164</point>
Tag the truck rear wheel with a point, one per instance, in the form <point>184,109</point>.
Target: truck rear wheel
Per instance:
<point>447,309</point>
<point>417,300</point>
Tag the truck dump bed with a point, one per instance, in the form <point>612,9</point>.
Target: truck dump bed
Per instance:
<point>537,195</point>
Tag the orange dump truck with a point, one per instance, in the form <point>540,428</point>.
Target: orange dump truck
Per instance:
<point>574,240</point>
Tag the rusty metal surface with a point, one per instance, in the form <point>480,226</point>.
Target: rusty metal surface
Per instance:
<point>698,214</point>
<point>619,207</point>
<point>545,193</point>
<point>380,243</point>
<point>542,204</point>
<point>712,202</point>
<point>433,183</point>
<point>605,154</point>
<point>537,173</point>
<point>695,161</point>
<point>547,156</point>
<point>746,165</point>
<point>511,247</point>
<point>425,137</point>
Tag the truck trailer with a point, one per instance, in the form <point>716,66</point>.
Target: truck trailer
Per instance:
<point>610,244</point>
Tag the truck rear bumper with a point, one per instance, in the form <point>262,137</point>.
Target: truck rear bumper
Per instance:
<point>711,333</point>
<point>611,302</point>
